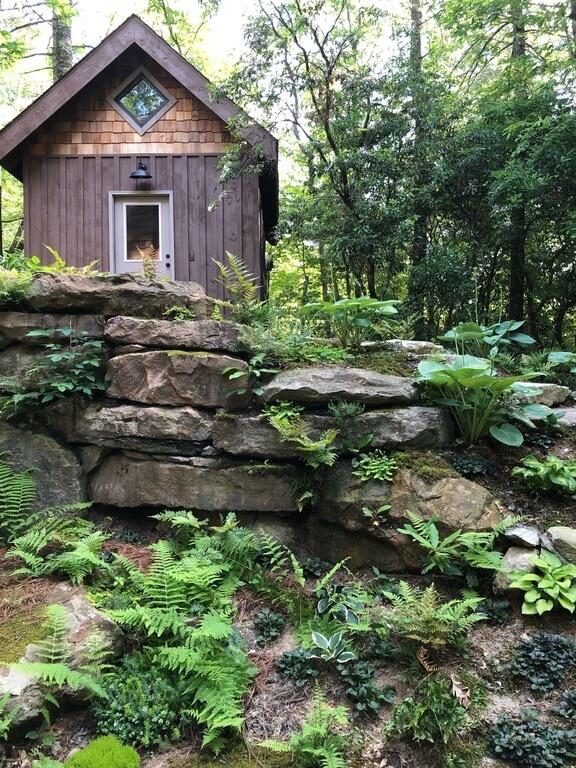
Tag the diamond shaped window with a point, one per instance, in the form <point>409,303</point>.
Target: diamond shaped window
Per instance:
<point>141,100</point>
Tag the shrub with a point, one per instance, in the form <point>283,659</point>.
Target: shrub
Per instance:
<point>434,714</point>
<point>269,625</point>
<point>553,584</point>
<point>532,744</point>
<point>552,473</point>
<point>299,664</point>
<point>567,705</point>
<point>104,752</point>
<point>544,660</point>
<point>361,689</point>
<point>142,704</point>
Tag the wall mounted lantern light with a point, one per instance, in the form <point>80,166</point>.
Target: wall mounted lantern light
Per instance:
<point>141,172</point>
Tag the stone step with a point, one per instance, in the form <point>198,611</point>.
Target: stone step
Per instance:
<point>177,378</point>
<point>15,326</point>
<point>322,384</point>
<point>210,335</point>
<point>209,485</point>
<point>413,427</point>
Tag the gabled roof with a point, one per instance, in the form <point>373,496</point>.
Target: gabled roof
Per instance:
<point>133,31</point>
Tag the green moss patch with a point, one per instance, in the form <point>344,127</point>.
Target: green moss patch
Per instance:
<point>427,465</point>
<point>17,633</point>
<point>391,362</point>
<point>236,759</point>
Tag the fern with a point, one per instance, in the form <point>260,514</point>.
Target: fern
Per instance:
<point>17,497</point>
<point>235,277</point>
<point>314,452</point>
<point>53,656</point>
<point>318,744</point>
<point>421,618</point>
<point>81,560</point>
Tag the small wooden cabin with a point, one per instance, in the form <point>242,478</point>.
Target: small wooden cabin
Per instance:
<point>120,163</point>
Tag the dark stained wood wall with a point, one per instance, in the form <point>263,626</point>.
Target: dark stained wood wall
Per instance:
<point>66,206</point>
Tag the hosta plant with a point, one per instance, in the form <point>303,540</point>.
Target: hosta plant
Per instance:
<point>552,473</point>
<point>475,395</point>
<point>352,319</point>
<point>331,648</point>
<point>480,339</point>
<point>553,583</point>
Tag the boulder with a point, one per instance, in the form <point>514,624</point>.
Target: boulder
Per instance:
<point>176,378</point>
<point>545,394</point>
<point>563,540</point>
<point>210,335</point>
<point>15,326</point>
<point>55,468</point>
<point>17,365</point>
<point>414,427</point>
<point>454,501</point>
<point>567,416</point>
<point>515,559</point>
<point>85,623</point>
<point>321,384</point>
<point>115,295</point>
<point>158,429</point>
<point>131,480</point>
<point>523,536</point>
<point>417,348</point>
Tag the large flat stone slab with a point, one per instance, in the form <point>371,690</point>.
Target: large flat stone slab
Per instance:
<point>211,335</point>
<point>115,295</point>
<point>321,384</point>
<point>176,378</point>
<point>156,429</point>
<point>15,326</point>
<point>414,427</point>
<point>209,485</point>
<point>55,468</point>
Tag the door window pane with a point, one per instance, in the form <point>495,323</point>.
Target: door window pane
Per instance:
<point>142,232</point>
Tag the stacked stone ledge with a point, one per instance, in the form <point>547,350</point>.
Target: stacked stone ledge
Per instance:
<point>170,431</point>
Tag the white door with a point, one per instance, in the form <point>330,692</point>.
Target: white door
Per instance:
<point>142,235</point>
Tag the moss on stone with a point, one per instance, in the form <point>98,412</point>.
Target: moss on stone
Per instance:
<point>391,362</point>
<point>20,631</point>
<point>183,353</point>
<point>427,465</point>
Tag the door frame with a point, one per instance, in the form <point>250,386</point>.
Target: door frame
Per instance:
<point>169,194</point>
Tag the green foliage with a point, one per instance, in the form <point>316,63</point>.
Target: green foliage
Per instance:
<point>17,496</point>
<point>104,752</point>
<point>376,515</point>
<point>285,346</point>
<point>292,429</point>
<point>545,660</point>
<point>342,410</point>
<point>331,648</point>
<point>476,339</point>
<point>375,465</point>
<point>433,715</point>
<point>473,466</point>
<point>532,744</point>
<point>495,611</point>
<point>299,665</point>
<point>179,314</point>
<point>474,394</point>
<point>142,704</point>
<point>314,567</point>
<point>62,371</point>
<point>14,285</point>
<point>343,602</point>
<point>420,618</point>
<point>7,716</point>
<point>269,625</point>
<point>241,288</point>
<point>52,665</point>
<point>352,320</point>
<point>567,705</point>
<point>552,584</point>
<point>319,744</point>
<point>253,377</point>
<point>552,473</point>
<point>367,698</point>
<point>59,266</point>
<point>449,555</point>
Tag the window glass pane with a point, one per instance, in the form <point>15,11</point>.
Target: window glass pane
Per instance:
<point>141,100</point>
<point>142,232</point>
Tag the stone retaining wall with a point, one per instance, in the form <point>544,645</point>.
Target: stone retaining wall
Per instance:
<point>169,432</point>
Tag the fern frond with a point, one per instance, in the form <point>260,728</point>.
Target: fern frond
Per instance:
<point>17,497</point>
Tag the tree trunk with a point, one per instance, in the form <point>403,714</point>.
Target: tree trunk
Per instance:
<point>62,50</point>
<point>518,212</point>
<point>420,233</point>
<point>572,17</point>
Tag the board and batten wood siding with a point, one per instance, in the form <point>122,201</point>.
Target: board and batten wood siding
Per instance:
<point>66,206</point>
